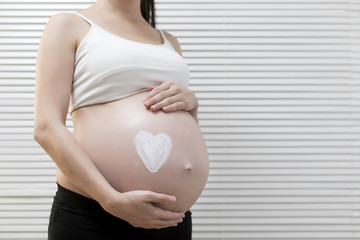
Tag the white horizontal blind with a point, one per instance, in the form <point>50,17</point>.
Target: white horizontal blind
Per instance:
<point>278,83</point>
<point>278,87</point>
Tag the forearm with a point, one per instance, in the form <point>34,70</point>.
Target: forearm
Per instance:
<point>194,110</point>
<point>193,113</point>
<point>69,156</point>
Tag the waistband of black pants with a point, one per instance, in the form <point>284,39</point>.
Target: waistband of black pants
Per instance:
<point>75,199</point>
<point>82,202</point>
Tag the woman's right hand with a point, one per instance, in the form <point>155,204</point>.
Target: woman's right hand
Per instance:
<point>138,208</point>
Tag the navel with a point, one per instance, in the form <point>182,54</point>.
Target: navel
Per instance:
<point>188,167</point>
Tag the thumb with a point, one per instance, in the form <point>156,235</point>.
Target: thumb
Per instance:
<point>161,198</point>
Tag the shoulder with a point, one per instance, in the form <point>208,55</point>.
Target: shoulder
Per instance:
<point>63,20</point>
<point>61,25</point>
<point>173,40</point>
<point>64,28</point>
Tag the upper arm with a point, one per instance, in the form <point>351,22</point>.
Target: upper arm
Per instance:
<point>54,70</point>
<point>175,43</point>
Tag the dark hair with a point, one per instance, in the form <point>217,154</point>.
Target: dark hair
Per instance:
<point>148,11</point>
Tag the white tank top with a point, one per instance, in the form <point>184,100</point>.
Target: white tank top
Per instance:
<point>108,67</point>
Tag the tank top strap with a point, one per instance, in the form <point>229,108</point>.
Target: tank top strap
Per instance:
<point>163,35</point>
<point>85,18</point>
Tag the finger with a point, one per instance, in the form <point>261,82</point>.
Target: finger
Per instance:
<point>165,224</point>
<point>159,223</point>
<point>160,97</point>
<point>167,215</point>
<point>158,226</point>
<point>162,87</point>
<point>174,107</point>
<point>160,198</point>
<point>165,102</point>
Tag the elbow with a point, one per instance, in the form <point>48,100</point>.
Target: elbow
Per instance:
<point>41,130</point>
<point>45,126</point>
<point>38,131</point>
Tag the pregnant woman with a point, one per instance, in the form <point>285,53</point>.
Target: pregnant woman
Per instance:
<point>136,161</point>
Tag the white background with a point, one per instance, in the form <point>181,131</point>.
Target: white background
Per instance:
<point>278,84</point>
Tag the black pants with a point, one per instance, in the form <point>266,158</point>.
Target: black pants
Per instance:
<point>74,216</point>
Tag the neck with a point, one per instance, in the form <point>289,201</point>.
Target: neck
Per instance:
<point>129,9</point>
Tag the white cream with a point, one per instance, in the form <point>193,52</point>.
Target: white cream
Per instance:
<point>153,150</point>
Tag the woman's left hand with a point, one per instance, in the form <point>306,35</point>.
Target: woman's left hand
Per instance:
<point>170,97</point>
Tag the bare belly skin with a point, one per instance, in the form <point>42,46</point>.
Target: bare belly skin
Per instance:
<point>107,131</point>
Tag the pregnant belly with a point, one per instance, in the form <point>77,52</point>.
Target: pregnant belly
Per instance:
<point>137,149</point>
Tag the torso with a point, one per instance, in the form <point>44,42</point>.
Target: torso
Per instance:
<point>106,132</point>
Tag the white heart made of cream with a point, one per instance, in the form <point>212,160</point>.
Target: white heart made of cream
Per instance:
<point>153,150</point>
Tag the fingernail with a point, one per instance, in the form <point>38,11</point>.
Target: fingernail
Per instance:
<point>147,103</point>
